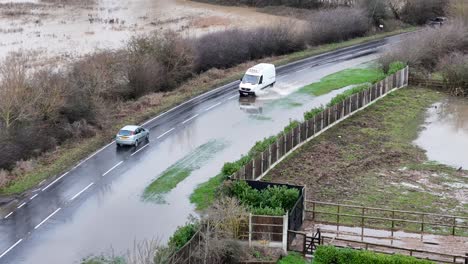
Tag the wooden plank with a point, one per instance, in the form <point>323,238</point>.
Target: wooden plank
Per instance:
<point>266,160</point>
<point>274,152</point>
<point>311,129</point>
<point>258,166</point>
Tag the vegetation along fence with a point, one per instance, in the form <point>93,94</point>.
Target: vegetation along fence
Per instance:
<point>186,253</point>
<point>388,249</point>
<point>256,168</point>
<point>389,219</point>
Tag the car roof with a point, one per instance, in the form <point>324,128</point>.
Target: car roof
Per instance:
<point>130,128</point>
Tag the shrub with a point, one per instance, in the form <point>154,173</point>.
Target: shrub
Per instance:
<point>327,26</point>
<point>424,49</point>
<point>274,200</point>
<point>292,125</point>
<point>342,96</point>
<point>395,66</point>
<point>417,12</point>
<point>182,235</point>
<point>293,258</point>
<point>330,254</point>
<point>313,112</point>
<point>454,69</point>
<point>228,48</point>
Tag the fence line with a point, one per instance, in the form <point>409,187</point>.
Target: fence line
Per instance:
<point>259,166</point>
<point>422,254</point>
<point>393,220</point>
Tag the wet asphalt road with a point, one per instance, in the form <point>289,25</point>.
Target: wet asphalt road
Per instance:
<point>97,206</point>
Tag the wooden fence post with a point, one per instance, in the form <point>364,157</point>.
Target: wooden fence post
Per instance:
<point>285,232</point>
<point>454,223</point>
<point>362,223</point>
<point>422,224</point>
<point>261,166</point>
<point>250,229</point>
<point>393,222</point>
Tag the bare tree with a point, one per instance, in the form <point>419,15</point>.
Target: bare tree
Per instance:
<point>16,96</point>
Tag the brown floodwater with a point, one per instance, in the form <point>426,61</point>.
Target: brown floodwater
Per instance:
<point>444,136</point>
<point>54,32</point>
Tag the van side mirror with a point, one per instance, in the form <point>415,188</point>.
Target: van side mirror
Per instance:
<point>261,80</point>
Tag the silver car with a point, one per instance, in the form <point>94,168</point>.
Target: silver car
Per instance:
<point>131,135</point>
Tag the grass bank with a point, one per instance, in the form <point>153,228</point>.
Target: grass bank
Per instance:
<point>176,173</point>
<point>344,78</point>
<point>369,159</point>
<point>66,156</point>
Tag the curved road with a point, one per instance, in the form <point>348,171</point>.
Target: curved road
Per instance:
<point>98,207</point>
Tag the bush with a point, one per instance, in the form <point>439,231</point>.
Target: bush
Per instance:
<point>228,48</point>
<point>327,26</point>
<point>293,258</point>
<point>417,12</point>
<point>395,66</point>
<point>424,49</point>
<point>313,112</point>
<point>274,200</point>
<point>182,235</point>
<point>454,69</point>
<point>333,255</point>
<point>342,96</point>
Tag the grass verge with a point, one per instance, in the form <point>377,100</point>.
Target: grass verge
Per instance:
<point>176,173</point>
<point>369,159</point>
<point>205,193</point>
<point>66,156</point>
<point>342,79</point>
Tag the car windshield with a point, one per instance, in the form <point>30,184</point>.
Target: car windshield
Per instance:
<point>250,79</point>
<point>125,132</point>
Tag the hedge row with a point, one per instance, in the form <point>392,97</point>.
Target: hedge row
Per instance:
<point>333,255</point>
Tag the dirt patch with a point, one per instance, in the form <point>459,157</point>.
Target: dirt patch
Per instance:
<point>369,159</point>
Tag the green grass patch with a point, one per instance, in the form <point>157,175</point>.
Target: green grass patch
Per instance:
<point>205,193</point>
<point>342,96</point>
<point>293,258</point>
<point>333,255</point>
<point>176,173</point>
<point>344,78</point>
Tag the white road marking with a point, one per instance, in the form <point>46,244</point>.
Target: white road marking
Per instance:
<point>213,106</point>
<point>78,194</point>
<point>187,120</point>
<point>165,133</point>
<point>229,98</point>
<point>21,205</point>
<point>47,218</point>
<point>10,248</point>
<point>8,215</point>
<point>34,196</point>
<point>115,166</point>
<point>56,180</point>
<point>139,150</point>
<point>42,182</point>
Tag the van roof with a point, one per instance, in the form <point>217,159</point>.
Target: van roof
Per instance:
<point>257,69</point>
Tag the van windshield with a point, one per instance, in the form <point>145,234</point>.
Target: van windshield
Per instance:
<point>250,79</point>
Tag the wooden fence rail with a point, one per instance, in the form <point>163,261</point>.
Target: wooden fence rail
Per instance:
<point>256,168</point>
<point>393,220</point>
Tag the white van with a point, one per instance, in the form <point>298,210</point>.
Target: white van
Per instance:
<point>257,78</point>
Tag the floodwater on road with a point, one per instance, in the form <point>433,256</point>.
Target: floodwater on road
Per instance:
<point>112,214</point>
<point>445,133</point>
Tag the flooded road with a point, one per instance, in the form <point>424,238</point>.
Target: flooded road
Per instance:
<point>99,207</point>
<point>444,136</point>
<point>54,32</point>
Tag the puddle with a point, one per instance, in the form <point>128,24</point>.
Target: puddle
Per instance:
<point>445,133</point>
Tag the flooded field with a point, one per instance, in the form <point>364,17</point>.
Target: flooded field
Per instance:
<point>445,133</point>
<point>64,30</point>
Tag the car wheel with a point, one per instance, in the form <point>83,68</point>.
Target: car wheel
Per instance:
<point>117,145</point>
<point>136,143</point>
<point>147,138</point>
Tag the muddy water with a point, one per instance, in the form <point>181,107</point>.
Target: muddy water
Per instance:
<point>56,32</point>
<point>445,133</point>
